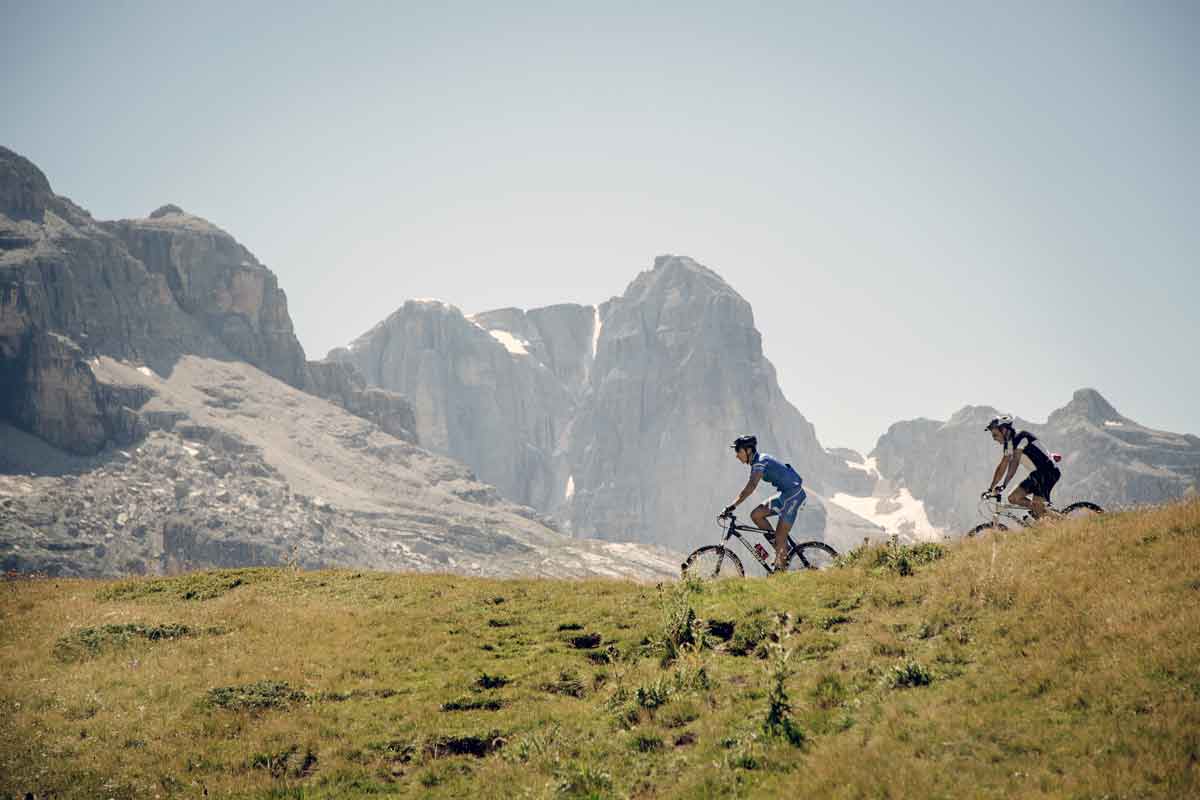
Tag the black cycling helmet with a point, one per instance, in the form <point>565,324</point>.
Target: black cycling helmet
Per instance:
<point>745,441</point>
<point>1002,421</point>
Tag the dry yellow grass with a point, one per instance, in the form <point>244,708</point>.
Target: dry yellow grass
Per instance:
<point>1060,662</point>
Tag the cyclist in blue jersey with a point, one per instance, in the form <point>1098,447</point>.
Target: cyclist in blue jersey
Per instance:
<point>786,503</point>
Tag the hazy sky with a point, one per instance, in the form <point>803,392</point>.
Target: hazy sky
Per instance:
<point>927,206</point>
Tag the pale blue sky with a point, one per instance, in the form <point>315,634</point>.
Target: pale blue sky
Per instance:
<point>927,205</point>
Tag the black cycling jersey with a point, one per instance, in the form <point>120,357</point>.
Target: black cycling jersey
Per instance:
<point>1030,450</point>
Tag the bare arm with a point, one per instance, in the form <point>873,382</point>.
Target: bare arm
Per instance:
<point>1000,468</point>
<point>751,485</point>
<point>1014,461</point>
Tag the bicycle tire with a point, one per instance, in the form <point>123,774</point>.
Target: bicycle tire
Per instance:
<point>987,526</point>
<point>1081,510</point>
<point>724,564</point>
<point>812,555</point>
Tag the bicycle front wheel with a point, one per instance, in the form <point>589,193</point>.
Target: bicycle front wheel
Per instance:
<point>711,562</point>
<point>812,555</point>
<point>986,528</point>
<point>1081,510</point>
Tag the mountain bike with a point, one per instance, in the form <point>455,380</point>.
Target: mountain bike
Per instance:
<point>718,561</point>
<point>998,510</point>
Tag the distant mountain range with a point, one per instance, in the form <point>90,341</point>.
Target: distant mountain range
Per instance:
<point>158,413</point>
<point>1107,458</point>
<point>615,418</point>
<point>158,353</point>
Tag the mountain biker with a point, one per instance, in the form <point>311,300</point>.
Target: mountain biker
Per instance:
<point>1034,492</point>
<point>786,503</point>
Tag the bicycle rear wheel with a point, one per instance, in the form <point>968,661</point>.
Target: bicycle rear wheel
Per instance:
<point>1081,510</point>
<point>987,527</point>
<point>711,562</point>
<point>812,555</point>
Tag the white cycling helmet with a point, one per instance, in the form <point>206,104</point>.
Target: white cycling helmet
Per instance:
<point>1002,421</point>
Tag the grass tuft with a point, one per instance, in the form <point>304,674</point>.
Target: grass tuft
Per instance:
<point>90,642</point>
<point>254,696</point>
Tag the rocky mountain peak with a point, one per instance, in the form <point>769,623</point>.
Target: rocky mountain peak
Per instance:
<point>25,193</point>
<point>973,416</point>
<point>24,189</point>
<point>681,274</point>
<point>162,211</point>
<point>1086,404</point>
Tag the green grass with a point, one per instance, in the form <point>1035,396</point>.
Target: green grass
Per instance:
<point>1058,662</point>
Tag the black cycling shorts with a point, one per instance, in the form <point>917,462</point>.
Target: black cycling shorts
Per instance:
<point>1040,482</point>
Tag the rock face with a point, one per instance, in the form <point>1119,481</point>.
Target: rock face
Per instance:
<point>1107,458</point>
<point>148,290</point>
<point>150,398</point>
<point>614,418</point>
<point>478,397</point>
<point>217,281</point>
<point>239,468</point>
<point>69,289</point>
<point>341,383</point>
<point>678,373</point>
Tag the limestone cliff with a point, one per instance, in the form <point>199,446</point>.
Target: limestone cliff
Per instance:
<point>614,418</point>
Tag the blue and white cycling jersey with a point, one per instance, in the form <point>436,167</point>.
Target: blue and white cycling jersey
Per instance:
<point>786,480</point>
<point>780,475</point>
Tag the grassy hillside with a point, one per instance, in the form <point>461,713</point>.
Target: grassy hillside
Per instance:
<point>1063,662</point>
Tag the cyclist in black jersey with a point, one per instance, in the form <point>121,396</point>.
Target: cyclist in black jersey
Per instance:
<point>1022,446</point>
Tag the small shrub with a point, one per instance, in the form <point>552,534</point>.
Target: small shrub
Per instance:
<point>653,696</point>
<point>646,743</point>
<point>473,704</point>
<point>568,684</point>
<point>901,559</point>
<point>721,629</point>
<point>287,763</point>
<point>679,715</point>
<point>829,691</point>
<point>609,655</point>
<point>570,626</point>
<point>681,630</point>
<point>778,722</point>
<point>486,681</point>
<point>254,696</point>
<point>832,621</point>
<point>692,680</point>
<point>479,745</point>
<point>848,603</point>
<point>584,641</point>
<point>537,744</point>
<point>89,642</point>
<point>908,674</point>
<point>750,634</point>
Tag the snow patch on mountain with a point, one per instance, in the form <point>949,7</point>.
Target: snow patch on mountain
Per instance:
<point>871,467</point>
<point>596,326</point>
<point>900,514</point>
<point>511,343</point>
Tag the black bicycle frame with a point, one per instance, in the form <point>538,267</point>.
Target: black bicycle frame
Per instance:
<point>735,531</point>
